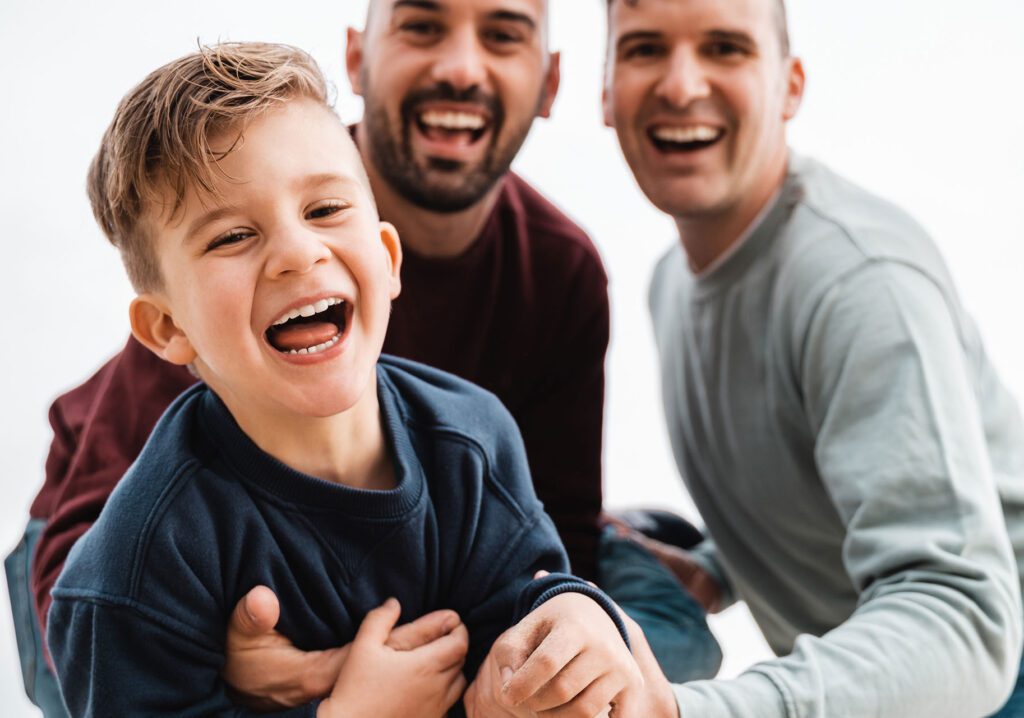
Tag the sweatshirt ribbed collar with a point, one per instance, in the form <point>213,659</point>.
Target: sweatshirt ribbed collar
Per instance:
<point>231,449</point>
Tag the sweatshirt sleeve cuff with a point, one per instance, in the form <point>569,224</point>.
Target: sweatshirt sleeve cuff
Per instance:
<point>544,589</point>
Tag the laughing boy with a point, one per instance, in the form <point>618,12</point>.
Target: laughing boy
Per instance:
<point>304,461</point>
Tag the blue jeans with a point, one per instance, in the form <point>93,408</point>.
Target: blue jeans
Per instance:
<point>674,623</point>
<point>40,683</point>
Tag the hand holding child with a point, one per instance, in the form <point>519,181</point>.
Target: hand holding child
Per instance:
<point>566,657</point>
<point>267,672</point>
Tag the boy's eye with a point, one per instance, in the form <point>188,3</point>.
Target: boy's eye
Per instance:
<point>326,209</point>
<point>234,236</point>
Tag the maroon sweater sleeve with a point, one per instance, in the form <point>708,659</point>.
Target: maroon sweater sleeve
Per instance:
<point>98,430</point>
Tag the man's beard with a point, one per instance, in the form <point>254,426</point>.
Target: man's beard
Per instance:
<point>459,186</point>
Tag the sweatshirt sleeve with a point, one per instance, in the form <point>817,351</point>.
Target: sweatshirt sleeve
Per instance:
<point>122,659</point>
<point>513,540</point>
<point>900,449</point>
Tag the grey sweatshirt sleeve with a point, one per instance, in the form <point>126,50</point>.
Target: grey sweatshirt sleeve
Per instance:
<point>899,446</point>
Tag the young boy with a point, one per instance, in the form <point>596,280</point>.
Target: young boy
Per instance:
<point>302,463</point>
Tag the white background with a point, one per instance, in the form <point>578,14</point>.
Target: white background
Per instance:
<point>919,100</point>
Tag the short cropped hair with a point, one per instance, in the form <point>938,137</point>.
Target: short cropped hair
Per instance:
<point>158,145</point>
<point>781,23</point>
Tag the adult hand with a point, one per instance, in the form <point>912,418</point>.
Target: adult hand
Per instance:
<point>566,658</point>
<point>267,672</point>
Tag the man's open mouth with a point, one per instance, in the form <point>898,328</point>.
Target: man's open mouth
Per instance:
<point>684,138</point>
<point>454,126</point>
<point>311,328</point>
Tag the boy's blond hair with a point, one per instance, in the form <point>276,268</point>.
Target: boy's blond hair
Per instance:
<point>157,146</point>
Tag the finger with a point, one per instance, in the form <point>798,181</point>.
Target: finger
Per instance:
<point>455,689</point>
<point>255,614</point>
<point>423,630</point>
<point>378,623</point>
<point>446,651</point>
<point>572,680</point>
<point>543,664</point>
<point>541,574</point>
<point>593,700</point>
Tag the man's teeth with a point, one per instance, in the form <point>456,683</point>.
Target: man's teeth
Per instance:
<point>448,120</point>
<point>308,310</point>
<point>319,347</point>
<point>689,133</point>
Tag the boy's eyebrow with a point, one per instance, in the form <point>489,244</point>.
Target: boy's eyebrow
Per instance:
<point>208,218</point>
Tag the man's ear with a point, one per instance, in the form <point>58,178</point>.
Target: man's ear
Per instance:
<point>354,59</point>
<point>154,327</point>
<point>552,80</point>
<point>795,81</point>
<point>393,250</point>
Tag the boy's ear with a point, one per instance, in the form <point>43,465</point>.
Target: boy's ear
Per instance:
<point>154,327</point>
<point>551,84</point>
<point>393,250</point>
<point>354,59</point>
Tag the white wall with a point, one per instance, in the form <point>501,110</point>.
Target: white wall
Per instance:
<point>919,100</point>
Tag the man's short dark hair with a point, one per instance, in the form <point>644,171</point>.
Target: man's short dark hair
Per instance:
<point>781,23</point>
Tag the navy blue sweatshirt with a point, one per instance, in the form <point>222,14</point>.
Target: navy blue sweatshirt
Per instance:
<point>140,612</point>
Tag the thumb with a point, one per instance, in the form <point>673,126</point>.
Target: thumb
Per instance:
<point>377,625</point>
<point>256,613</point>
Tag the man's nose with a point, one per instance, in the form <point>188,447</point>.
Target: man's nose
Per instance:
<point>462,62</point>
<point>295,250</point>
<point>686,79</point>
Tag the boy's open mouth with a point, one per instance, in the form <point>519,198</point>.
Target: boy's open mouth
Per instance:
<point>684,138</point>
<point>311,328</point>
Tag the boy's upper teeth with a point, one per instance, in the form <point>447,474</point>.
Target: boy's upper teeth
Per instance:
<point>451,120</point>
<point>308,310</point>
<point>687,133</point>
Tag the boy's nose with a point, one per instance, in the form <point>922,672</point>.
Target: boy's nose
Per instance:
<point>295,251</point>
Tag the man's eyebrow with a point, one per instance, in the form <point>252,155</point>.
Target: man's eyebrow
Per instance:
<point>735,36</point>
<point>513,16</point>
<point>637,35</point>
<point>418,4</point>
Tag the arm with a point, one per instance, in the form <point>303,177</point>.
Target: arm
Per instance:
<point>562,420</point>
<point>99,429</point>
<point>899,448</point>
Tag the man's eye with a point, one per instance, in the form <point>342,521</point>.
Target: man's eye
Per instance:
<point>326,209</point>
<point>502,37</point>
<point>235,236</point>
<point>641,51</point>
<point>421,28</point>
<point>725,49</point>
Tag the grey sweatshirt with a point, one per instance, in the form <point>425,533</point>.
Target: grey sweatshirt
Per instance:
<point>858,463</point>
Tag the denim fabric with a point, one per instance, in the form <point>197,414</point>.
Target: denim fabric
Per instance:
<point>674,623</point>
<point>40,683</point>
<point>1014,707</point>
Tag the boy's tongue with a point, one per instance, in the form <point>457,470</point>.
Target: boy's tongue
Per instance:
<point>303,336</point>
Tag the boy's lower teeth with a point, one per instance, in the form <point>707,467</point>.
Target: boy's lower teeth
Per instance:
<point>318,348</point>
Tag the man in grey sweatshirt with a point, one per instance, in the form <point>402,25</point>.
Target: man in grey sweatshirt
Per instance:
<point>858,463</point>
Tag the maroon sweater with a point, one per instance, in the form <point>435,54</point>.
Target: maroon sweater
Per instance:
<point>523,313</point>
